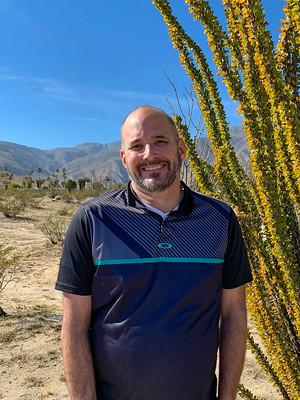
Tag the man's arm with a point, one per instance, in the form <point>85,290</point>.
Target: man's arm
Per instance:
<point>78,362</point>
<point>233,332</point>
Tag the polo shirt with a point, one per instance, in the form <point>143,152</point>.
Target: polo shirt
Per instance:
<point>156,288</point>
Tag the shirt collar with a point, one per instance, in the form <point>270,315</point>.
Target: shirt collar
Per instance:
<point>185,206</point>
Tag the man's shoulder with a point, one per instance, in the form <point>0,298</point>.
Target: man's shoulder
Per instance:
<point>212,203</point>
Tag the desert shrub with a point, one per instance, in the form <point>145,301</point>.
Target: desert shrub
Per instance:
<point>5,193</point>
<point>35,203</point>
<point>54,228</point>
<point>22,197</point>
<point>11,207</point>
<point>81,195</point>
<point>70,185</point>
<point>27,196</point>
<point>53,193</point>
<point>63,212</point>
<point>15,186</point>
<point>37,193</point>
<point>8,263</point>
<point>66,197</point>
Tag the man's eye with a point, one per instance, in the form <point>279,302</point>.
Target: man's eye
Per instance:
<point>161,142</point>
<point>136,147</point>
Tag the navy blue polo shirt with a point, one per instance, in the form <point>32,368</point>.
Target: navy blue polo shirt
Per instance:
<point>156,288</point>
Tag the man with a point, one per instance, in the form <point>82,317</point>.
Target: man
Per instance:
<point>147,274</point>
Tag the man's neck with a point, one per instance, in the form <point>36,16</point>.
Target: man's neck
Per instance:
<point>165,201</point>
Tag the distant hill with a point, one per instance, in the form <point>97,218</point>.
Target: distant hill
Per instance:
<point>88,159</point>
<point>92,160</point>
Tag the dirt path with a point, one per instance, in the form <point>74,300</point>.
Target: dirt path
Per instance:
<point>30,360</point>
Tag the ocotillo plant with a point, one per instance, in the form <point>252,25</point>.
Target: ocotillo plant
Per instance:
<point>265,82</point>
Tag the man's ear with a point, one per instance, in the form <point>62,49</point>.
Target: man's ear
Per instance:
<point>123,157</point>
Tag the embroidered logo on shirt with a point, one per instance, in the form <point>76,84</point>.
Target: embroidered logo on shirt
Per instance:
<point>164,245</point>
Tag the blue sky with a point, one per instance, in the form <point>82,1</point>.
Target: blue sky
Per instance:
<point>70,70</point>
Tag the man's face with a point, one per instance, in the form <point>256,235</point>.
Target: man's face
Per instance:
<point>151,151</point>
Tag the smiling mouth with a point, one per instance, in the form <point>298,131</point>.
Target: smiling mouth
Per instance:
<point>153,167</point>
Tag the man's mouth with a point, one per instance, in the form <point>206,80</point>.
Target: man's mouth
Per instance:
<point>153,167</point>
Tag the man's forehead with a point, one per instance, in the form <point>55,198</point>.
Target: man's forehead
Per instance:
<point>132,130</point>
<point>132,123</point>
<point>144,116</point>
<point>146,120</point>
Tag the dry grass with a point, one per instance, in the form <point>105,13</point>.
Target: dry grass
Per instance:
<point>11,207</point>
<point>30,358</point>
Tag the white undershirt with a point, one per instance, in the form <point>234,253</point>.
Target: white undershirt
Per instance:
<point>159,212</point>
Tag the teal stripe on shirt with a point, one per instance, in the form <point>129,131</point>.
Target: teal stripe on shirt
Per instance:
<point>158,259</point>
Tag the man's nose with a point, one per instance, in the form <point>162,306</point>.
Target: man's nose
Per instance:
<point>149,151</point>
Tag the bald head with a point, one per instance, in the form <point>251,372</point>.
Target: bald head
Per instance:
<point>141,113</point>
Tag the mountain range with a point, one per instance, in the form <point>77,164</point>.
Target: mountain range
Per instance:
<point>92,160</point>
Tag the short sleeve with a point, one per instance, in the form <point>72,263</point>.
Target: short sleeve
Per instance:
<point>236,264</point>
<point>76,269</point>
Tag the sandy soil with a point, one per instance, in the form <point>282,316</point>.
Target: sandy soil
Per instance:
<point>30,357</point>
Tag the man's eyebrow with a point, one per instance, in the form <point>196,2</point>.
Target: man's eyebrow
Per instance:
<point>161,136</point>
<point>133,142</point>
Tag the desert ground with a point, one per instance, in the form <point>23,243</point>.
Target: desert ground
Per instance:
<point>30,357</point>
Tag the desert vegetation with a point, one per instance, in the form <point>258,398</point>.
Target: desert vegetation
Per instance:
<point>8,265</point>
<point>53,227</point>
<point>34,214</point>
<point>11,207</point>
<point>30,248</point>
<point>264,81</point>
<point>57,181</point>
